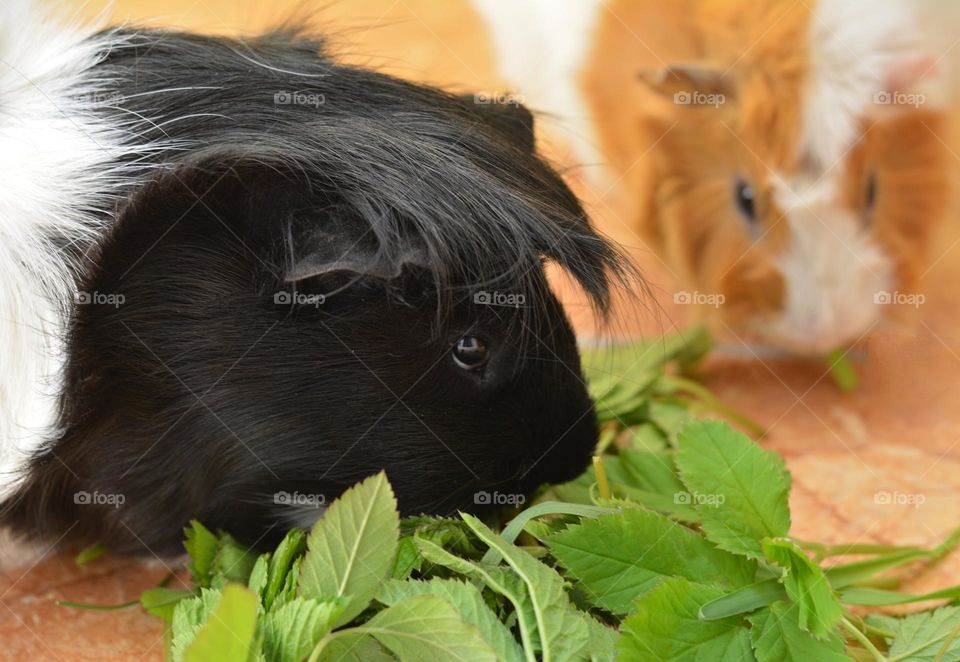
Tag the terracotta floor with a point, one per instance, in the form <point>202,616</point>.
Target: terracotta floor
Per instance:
<point>899,434</point>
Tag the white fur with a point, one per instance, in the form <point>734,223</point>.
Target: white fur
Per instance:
<point>54,169</point>
<point>854,49</point>
<point>541,47</point>
<point>833,271</point>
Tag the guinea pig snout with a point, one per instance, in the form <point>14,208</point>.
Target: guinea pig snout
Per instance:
<point>835,276</point>
<point>564,443</point>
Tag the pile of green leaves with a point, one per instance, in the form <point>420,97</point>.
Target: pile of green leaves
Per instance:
<point>674,546</point>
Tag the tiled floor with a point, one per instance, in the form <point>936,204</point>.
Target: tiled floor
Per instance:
<point>895,439</point>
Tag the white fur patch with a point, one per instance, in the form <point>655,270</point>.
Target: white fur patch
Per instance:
<point>541,48</point>
<point>855,48</point>
<point>54,169</point>
<point>833,270</point>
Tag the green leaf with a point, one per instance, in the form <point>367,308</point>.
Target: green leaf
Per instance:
<point>408,558</point>
<point>291,547</point>
<point>228,633</point>
<point>666,628</point>
<point>498,580</point>
<point>842,370</point>
<point>739,489</point>
<point>603,641</point>
<point>620,557</point>
<point>161,601</point>
<point>777,638</point>
<point>427,628</point>
<point>744,600</point>
<point>653,471</point>
<point>928,636</point>
<point>189,615</point>
<point>89,554</point>
<point>351,549</point>
<point>201,545</point>
<point>466,599</point>
<point>233,562</point>
<point>563,631</point>
<point>517,524</point>
<point>354,648</point>
<point>292,631</point>
<point>257,581</point>
<point>819,610</point>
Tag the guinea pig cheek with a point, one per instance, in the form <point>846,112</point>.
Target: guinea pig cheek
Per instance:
<point>835,274</point>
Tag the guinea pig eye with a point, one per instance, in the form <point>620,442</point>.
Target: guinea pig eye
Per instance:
<point>470,352</point>
<point>746,200</point>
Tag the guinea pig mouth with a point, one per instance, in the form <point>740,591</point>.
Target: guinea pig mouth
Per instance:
<point>563,455</point>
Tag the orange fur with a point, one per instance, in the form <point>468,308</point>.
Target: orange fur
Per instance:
<point>678,163</point>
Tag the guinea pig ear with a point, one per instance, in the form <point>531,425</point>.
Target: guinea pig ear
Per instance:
<point>690,84</point>
<point>511,117</point>
<point>346,244</point>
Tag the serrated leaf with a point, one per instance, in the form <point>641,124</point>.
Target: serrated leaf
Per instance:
<point>189,615</point>
<point>620,557</point>
<point>292,631</point>
<point>228,633</point>
<point>428,628</point>
<point>257,581</point>
<point>739,489</point>
<point>928,637</point>
<point>354,648</point>
<point>233,562</point>
<point>351,549</point>
<point>201,545</point>
<point>563,631</point>
<point>290,548</point>
<point>466,599</point>
<point>819,610</point>
<point>603,641</point>
<point>498,580</point>
<point>777,637</point>
<point>666,628</point>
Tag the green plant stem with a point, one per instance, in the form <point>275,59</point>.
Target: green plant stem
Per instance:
<point>603,485</point>
<point>863,639</point>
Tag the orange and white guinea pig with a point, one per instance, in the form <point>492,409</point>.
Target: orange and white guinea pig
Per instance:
<point>786,157</point>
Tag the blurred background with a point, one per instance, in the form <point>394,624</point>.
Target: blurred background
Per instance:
<point>591,73</point>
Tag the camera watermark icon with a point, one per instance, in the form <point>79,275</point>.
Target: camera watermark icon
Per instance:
<point>99,299</point>
<point>297,499</point>
<point>497,98</point>
<point>285,98</point>
<point>895,98</point>
<point>84,498</point>
<point>484,498</point>
<point>684,298</point>
<point>899,499</point>
<point>698,499</point>
<point>101,98</point>
<point>697,98</point>
<point>514,300</point>
<point>899,299</point>
<point>299,299</point>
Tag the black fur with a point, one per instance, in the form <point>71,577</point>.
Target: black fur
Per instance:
<point>202,396</point>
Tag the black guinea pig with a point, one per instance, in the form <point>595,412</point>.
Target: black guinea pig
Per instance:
<point>241,277</point>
